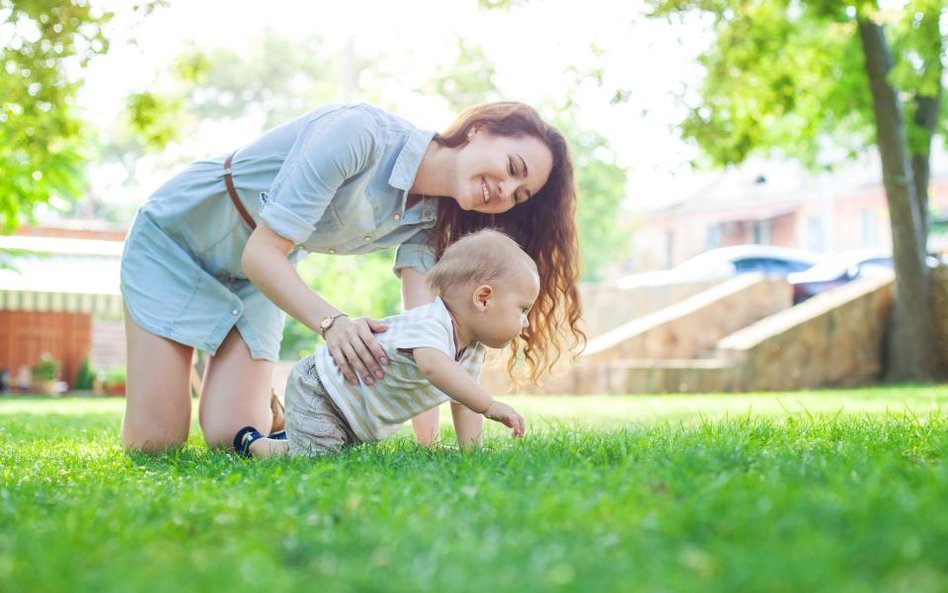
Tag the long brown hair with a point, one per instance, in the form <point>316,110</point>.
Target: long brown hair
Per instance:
<point>544,226</point>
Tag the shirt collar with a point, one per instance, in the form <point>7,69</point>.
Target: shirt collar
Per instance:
<point>459,353</point>
<point>409,159</point>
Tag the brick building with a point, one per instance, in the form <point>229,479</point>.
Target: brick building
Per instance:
<point>777,203</point>
<point>60,295</point>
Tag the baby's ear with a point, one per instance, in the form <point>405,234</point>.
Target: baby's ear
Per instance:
<point>482,295</point>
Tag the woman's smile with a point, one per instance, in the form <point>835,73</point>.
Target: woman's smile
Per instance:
<point>485,190</point>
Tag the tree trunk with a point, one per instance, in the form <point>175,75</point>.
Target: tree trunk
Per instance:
<point>925,118</point>
<point>910,348</point>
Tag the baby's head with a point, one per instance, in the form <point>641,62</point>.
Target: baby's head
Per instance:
<point>489,283</point>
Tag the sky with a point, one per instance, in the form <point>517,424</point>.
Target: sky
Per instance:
<point>531,47</point>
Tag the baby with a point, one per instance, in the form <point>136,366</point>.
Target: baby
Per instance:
<point>484,286</point>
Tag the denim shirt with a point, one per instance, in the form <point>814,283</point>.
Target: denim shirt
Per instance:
<point>332,181</point>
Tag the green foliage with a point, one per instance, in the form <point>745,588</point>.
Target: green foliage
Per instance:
<point>789,76</point>
<point>470,80</point>
<point>500,4</point>
<point>85,376</point>
<point>156,119</point>
<point>46,43</point>
<point>845,500</point>
<point>600,182</point>
<point>46,368</point>
<point>270,77</point>
<point>918,39</point>
<point>280,76</point>
<point>114,376</point>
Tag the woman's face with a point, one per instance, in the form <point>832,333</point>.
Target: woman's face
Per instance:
<point>495,173</point>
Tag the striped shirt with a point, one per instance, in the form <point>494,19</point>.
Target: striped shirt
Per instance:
<point>375,412</point>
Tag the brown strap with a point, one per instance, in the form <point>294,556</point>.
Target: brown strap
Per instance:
<point>232,192</point>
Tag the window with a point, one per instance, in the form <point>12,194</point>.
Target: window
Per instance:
<point>761,232</point>
<point>713,237</point>
<point>814,233</point>
<point>867,219</point>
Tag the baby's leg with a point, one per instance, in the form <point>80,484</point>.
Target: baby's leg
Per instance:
<point>313,424</point>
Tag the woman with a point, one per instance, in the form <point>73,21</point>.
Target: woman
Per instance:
<point>199,271</point>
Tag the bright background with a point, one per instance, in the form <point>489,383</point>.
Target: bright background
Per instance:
<point>533,48</point>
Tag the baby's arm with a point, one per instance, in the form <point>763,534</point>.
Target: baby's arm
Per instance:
<point>451,378</point>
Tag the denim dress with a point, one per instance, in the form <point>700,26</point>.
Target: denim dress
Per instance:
<point>333,181</point>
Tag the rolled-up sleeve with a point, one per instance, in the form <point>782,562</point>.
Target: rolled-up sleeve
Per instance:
<point>415,253</point>
<point>332,148</point>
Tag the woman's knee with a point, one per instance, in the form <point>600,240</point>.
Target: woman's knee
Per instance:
<point>219,430</point>
<point>155,422</point>
<point>151,440</point>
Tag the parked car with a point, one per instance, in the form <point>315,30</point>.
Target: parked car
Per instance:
<point>841,269</point>
<point>724,262</point>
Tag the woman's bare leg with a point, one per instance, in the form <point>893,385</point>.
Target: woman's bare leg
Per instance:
<point>157,390</point>
<point>236,393</point>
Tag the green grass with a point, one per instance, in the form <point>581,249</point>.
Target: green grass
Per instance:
<point>819,491</point>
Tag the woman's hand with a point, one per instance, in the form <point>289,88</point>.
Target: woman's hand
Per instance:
<point>353,346</point>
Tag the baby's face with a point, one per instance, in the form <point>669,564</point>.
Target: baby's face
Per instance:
<point>506,315</point>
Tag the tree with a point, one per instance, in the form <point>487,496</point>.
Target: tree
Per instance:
<point>44,144</point>
<point>795,76</point>
<point>41,136</point>
<point>270,77</point>
<point>468,81</point>
<point>603,238</point>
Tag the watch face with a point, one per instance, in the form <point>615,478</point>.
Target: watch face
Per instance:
<point>328,321</point>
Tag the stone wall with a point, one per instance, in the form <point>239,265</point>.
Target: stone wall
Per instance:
<point>675,337</point>
<point>835,339</point>
<point>692,327</point>
<point>605,307</point>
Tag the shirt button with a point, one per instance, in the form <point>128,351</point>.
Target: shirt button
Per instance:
<point>366,238</point>
<point>397,216</point>
<point>234,312</point>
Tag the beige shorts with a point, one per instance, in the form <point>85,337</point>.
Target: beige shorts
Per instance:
<point>314,425</point>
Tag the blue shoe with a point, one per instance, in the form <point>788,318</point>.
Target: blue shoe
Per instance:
<point>279,435</point>
<point>245,437</point>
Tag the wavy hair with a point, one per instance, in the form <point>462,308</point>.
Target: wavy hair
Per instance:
<point>544,226</point>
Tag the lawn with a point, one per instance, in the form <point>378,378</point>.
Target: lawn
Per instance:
<point>819,491</point>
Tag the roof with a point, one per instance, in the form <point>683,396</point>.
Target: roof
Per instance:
<point>770,186</point>
<point>60,275</point>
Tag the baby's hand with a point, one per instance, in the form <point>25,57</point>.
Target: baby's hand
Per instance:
<point>501,412</point>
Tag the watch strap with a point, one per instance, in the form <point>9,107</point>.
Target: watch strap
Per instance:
<point>327,322</point>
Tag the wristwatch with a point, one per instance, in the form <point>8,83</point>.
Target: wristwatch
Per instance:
<point>327,322</point>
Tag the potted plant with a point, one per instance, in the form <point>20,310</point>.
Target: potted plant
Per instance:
<point>85,376</point>
<point>113,381</point>
<point>45,374</point>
